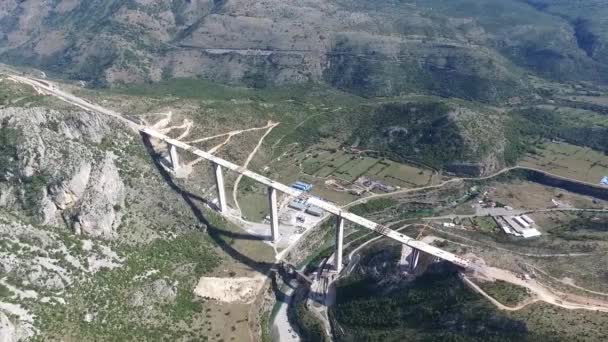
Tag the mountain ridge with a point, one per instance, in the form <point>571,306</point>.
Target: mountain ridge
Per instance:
<point>483,53</point>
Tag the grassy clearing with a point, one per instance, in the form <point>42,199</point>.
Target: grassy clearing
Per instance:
<point>374,206</point>
<point>313,164</point>
<point>484,224</point>
<point>378,168</point>
<point>598,100</point>
<point>569,161</point>
<point>529,195</point>
<point>254,206</point>
<point>5,292</point>
<point>203,89</point>
<point>405,176</point>
<point>577,226</point>
<point>505,293</point>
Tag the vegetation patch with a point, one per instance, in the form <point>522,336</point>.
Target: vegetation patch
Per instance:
<point>9,138</point>
<point>5,292</point>
<point>422,132</point>
<point>530,125</point>
<point>114,300</point>
<point>311,328</point>
<point>505,293</point>
<point>436,306</point>
<point>484,224</point>
<point>374,206</point>
<point>581,227</point>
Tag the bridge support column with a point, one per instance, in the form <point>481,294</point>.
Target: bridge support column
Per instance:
<point>414,259</point>
<point>174,157</point>
<point>219,183</point>
<point>274,215</point>
<point>339,243</point>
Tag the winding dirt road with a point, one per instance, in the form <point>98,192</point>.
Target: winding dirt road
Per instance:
<point>271,125</point>
<point>539,291</point>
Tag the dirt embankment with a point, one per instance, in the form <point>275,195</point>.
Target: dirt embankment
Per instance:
<point>230,290</point>
<point>540,292</point>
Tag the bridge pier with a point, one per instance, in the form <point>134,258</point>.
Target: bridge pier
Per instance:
<point>339,243</point>
<point>274,215</point>
<point>414,259</point>
<point>425,252</point>
<point>174,157</point>
<point>219,183</point>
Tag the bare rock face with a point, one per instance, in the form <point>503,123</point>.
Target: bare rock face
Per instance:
<point>99,214</point>
<point>163,290</point>
<point>73,180</point>
<point>7,329</point>
<point>41,277</point>
<point>158,290</point>
<point>48,211</point>
<point>64,195</point>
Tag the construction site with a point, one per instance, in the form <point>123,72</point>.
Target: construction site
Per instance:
<point>518,233</point>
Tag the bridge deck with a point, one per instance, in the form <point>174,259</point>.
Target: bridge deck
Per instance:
<point>329,207</point>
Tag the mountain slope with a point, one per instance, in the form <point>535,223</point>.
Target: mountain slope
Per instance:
<point>477,50</point>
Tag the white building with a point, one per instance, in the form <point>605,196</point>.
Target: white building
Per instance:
<point>522,227</point>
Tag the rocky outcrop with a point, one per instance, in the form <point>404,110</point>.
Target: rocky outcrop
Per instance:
<point>99,214</point>
<point>7,329</point>
<point>159,290</point>
<point>62,174</point>
<point>65,194</point>
<point>163,290</point>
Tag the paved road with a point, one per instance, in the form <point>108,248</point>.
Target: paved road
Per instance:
<point>505,212</point>
<point>461,179</point>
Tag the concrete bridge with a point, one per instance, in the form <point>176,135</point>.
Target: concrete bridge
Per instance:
<point>273,187</point>
<point>219,164</point>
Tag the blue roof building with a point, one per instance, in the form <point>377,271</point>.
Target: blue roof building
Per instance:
<point>302,186</point>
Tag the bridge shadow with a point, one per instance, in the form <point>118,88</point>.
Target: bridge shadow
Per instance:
<point>218,235</point>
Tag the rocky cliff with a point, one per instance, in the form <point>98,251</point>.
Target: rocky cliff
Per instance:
<point>58,172</point>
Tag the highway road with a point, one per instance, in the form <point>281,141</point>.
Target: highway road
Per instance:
<point>51,89</point>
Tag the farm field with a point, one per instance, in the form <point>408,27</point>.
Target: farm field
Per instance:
<point>334,162</point>
<point>348,167</point>
<point>528,195</point>
<point>352,170</point>
<point>570,161</point>
<point>403,175</point>
<point>325,162</point>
